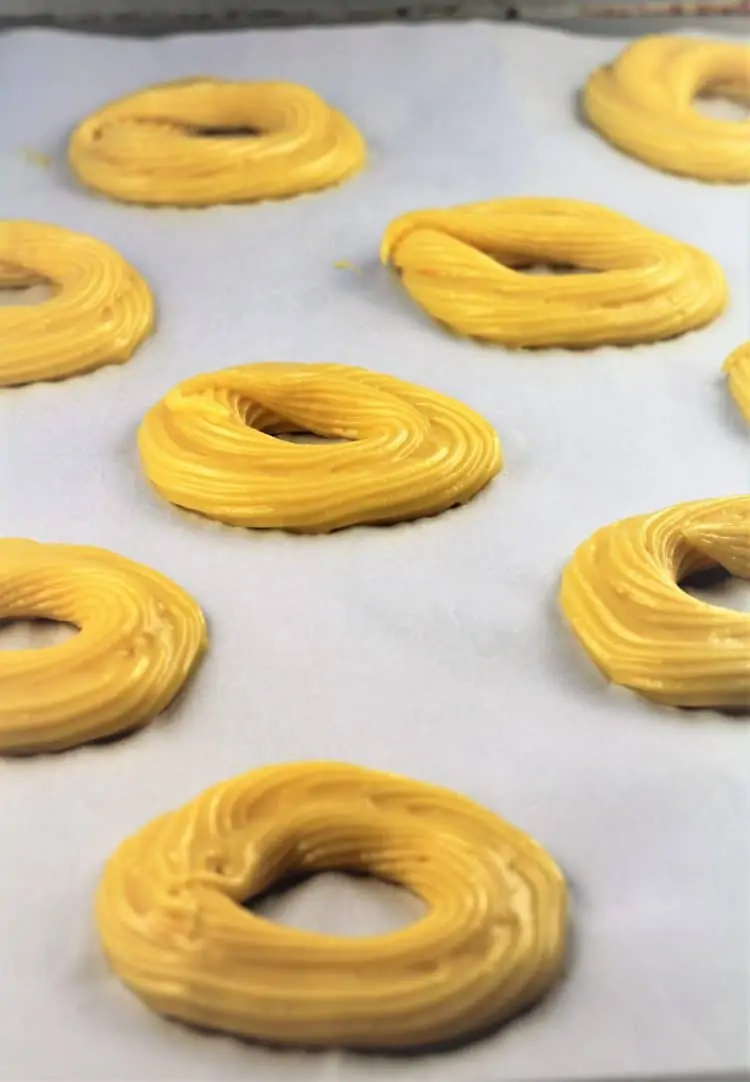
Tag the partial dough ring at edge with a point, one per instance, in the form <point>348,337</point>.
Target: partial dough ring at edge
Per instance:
<point>101,312</point>
<point>640,103</point>
<point>737,369</point>
<point>139,638</point>
<point>170,916</point>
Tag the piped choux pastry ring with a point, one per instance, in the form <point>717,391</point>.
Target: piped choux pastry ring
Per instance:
<point>643,104</point>
<point>463,266</point>
<point>200,142</point>
<point>621,595</point>
<point>170,911</point>
<point>211,446</point>
<point>100,312</point>
<point>737,369</point>
<point>139,637</point>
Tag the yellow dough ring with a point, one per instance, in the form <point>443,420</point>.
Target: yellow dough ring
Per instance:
<point>621,596</point>
<point>209,446</point>
<point>139,638</point>
<point>169,911</point>
<point>100,312</point>
<point>737,368</point>
<point>462,266</point>
<point>205,141</point>
<point>643,104</point>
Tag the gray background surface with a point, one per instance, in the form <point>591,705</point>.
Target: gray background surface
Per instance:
<point>433,649</point>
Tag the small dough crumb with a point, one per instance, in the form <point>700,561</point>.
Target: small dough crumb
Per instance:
<point>37,158</point>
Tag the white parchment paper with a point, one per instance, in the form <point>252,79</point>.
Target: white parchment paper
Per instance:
<point>433,649</point>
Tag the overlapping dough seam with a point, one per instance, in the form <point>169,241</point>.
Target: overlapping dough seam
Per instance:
<point>462,266</point>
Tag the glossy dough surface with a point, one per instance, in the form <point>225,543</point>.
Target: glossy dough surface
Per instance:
<point>210,445</point>
<point>139,637</point>
<point>100,312</point>
<point>169,910</point>
<point>644,103</point>
<point>463,267</point>
<point>620,595</point>
<point>205,141</point>
<point>737,368</point>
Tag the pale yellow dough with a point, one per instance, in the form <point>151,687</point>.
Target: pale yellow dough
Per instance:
<point>211,446</point>
<point>643,103</point>
<point>100,312</point>
<point>169,911</point>
<point>737,368</point>
<point>621,596</point>
<point>139,637</point>
<point>463,266</point>
<point>204,141</point>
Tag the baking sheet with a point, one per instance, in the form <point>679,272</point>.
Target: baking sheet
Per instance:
<point>433,649</point>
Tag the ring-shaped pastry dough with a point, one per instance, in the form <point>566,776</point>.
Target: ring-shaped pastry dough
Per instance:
<point>102,308</point>
<point>200,142</point>
<point>169,911</point>
<point>139,636</point>
<point>621,596</point>
<point>737,368</point>
<point>210,446</point>
<point>643,104</point>
<point>462,266</point>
